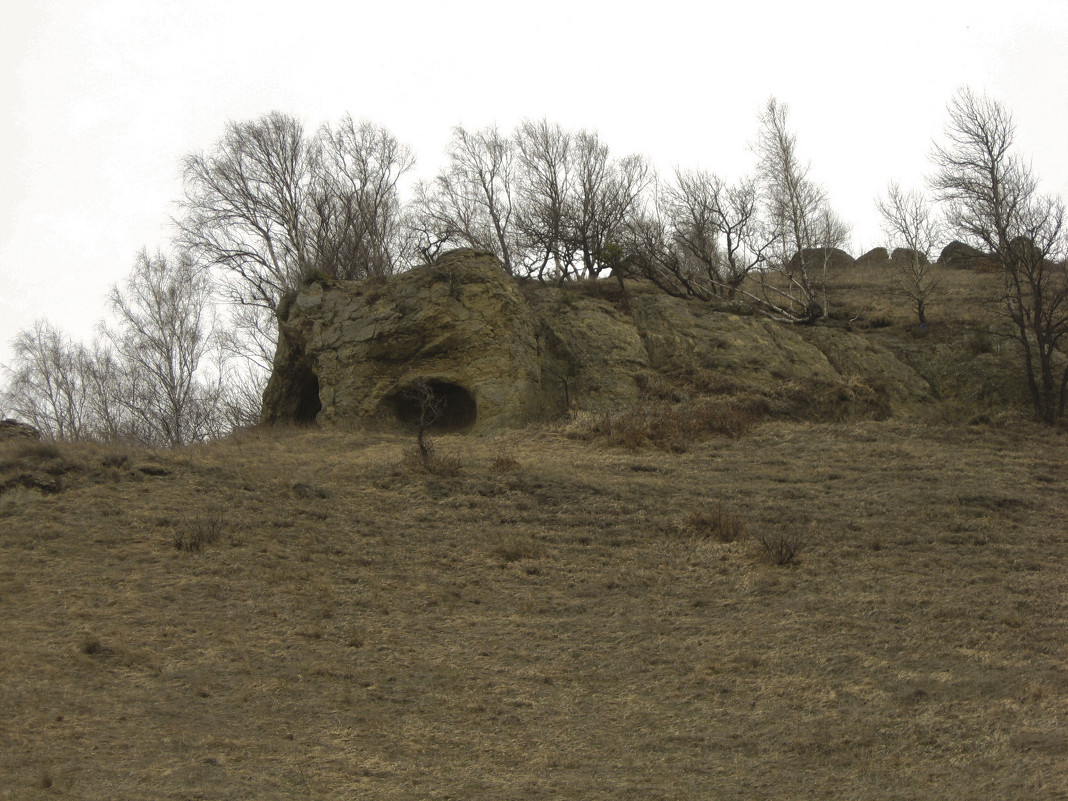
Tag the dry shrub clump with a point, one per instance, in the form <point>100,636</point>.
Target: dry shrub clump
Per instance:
<point>782,547</point>
<point>835,401</point>
<point>515,547</point>
<point>670,427</point>
<point>716,523</point>
<point>198,531</point>
<point>505,463</point>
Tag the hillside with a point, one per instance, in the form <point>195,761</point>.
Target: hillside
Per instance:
<point>307,613</point>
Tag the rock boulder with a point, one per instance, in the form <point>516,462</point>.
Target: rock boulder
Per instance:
<point>502,352</point>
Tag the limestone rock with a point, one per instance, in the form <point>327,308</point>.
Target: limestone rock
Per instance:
<point>965,257</point>
<point>834,258</point>
<point>353,348</point>
<point>13,429</point>
<point>502,352</point>
<point>876,257</point>
<point>906,257</point>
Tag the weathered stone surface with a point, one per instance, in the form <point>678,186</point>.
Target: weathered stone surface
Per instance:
<point>816,258</point>
<point>876,257</point>
<point>13,429</point>
<point>503,352</point>
<point>964,257</point>
<point>906,257</point>
<point>460,322</point>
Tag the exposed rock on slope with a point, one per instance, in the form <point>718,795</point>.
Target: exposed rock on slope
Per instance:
<point>876,257</point>
<point>13,429</point>
<point>503,353</point>
<point>964,257</point>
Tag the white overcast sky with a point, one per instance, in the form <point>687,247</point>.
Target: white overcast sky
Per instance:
<point>102,98</point>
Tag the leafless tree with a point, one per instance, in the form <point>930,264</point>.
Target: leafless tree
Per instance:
<point>270,204</point>
<point>991,199</point>
<point>544,189</point>
<point>805,228</point>
<point>550,203</point>
<point>911,224</point>
<point>427,405</point>
<point>47,383</point>
<point>247,206</point>
<point>718,229</point>
<point>604,196</point>
<point>355,192</point>
<point>650,251</point>
<point>163,336</point>
<point>472,202</point>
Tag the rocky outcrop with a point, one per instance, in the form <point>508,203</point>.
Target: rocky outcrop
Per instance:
<point>501,352</point>
<point>876,257</point>
<point>907,257</point>
<point>965,257</point>
<point>833,259</point>
<point>13,429</point>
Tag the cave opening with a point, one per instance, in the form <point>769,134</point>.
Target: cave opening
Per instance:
<point>306,395</point>
<point>448,406</point>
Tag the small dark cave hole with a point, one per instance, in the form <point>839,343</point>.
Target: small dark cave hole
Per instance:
<point>308,404</point>
<point>459,410</point>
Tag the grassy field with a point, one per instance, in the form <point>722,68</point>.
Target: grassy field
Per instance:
<point>307,614</point>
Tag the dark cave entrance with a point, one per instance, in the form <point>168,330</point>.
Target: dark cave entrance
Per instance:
<point>306,396</point>
<point>458,410</point>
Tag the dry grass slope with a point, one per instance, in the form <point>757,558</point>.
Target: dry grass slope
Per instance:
<point>543,617</point>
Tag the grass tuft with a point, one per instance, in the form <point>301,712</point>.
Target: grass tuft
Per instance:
<point>716,523</point>
<point>782,547</point>
<point>434,462</point>
<point>194,534</point>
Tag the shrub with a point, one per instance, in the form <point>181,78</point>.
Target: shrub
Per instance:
<point>979,342</point>
<point>317,276</point>
<point>505,463</point>
<point>716,523</point>
<point>671,427</point>
<point>654,386</point>
<point>782,547</point>
<point>515,547</point>
<point>197,531</point>
<point>116,459</point>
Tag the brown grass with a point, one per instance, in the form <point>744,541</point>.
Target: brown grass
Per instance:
<point>541,631</point>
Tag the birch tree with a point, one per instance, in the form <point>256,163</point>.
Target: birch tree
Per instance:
<point>991,200</point>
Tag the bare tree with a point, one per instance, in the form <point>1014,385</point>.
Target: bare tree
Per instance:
<point>991,199</point>
<point>164,332</point>
<point>357,202</point>
<point>472,202</point>
<point>270,204</point>
<point>47,384</point>
<point>718,229</point>
<point>106,398</point>
<point>910,223</point>
<point>427,405</point>
<point>604,195</point>
<point>651,251</point>
<point>806,230</point>
<point>544,190</point>
<point>548,202</point>
<point>247,207</point>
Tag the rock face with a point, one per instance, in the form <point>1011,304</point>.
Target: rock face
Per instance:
<point>815,258</point>
<point>500,352</point>
<point>876,257</point>
<point>907,257</point>
<point>964,257</point>
<point>13,429</point>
